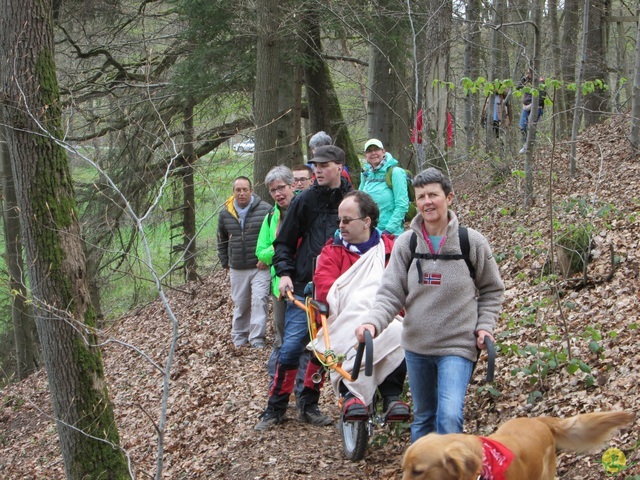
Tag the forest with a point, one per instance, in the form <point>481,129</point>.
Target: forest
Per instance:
<point>123,124</point>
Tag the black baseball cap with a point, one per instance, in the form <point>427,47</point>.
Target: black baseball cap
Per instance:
<point>328,153</point>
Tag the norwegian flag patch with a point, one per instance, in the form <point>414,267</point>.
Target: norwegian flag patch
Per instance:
<point>432,279</point>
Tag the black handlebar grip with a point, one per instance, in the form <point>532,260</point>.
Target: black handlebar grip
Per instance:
<point>366,346</point>
<point>368,359</point>
<point>491,358</point>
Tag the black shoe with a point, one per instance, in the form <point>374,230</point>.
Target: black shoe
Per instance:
<point>311,414</point>
<point>268,419</point>
<point>395,410</point>
<point>354,410</point>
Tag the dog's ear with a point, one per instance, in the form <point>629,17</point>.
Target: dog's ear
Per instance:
<point>461,461</point>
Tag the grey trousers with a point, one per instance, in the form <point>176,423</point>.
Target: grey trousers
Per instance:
<point>250,295</point>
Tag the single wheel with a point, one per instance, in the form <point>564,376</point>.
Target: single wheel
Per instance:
<point>355,437</point>
<point>240,149</point>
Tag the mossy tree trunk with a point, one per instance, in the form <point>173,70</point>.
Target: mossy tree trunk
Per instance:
<point>325,112</point>
<point>65,317</point>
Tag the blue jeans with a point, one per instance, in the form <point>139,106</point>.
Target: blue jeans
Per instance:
<point>438,387</point>
<point>524,121</point>
<point>296,335</point>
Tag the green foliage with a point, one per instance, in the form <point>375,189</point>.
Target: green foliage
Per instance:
<point>575,240</point>
<point>545,358</point>
<point>221,56</point>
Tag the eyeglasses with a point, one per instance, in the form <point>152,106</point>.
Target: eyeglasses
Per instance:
<point>372,150</point>
<point>300,179</point>
<point>347,221</point>
<point>279,189</point>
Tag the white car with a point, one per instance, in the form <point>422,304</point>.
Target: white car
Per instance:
<point>247,145</point>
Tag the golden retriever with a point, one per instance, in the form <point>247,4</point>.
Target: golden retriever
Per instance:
<point>530,452</point>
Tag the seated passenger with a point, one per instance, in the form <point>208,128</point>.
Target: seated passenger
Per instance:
<point>349,271</point>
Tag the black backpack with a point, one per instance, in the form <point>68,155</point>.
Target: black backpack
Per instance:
<point>463,235</point>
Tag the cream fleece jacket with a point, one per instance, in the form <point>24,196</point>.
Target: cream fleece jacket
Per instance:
<point>440,319</point>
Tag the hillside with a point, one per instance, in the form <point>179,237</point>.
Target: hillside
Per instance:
<point>218,392</point>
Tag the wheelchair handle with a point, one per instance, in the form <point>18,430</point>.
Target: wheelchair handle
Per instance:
<point>491,358</point>
<point>364,348</point>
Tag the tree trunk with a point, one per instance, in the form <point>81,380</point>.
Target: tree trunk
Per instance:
<point>288,140</point>
<point>438,32</point>
<point>21,312</point>
<point>266,93</point>
<point>387,104</point>
<point>325,113</point>
<point>51,236</point>
<point>634,136</point>
<point>597,103</point>
<point>189,197</point>
<point>577,117</point>
<point>570,33</point>
<point>499,71</point>
<point>532,126</point>
<point>471,71</point>
<point>556,56</point>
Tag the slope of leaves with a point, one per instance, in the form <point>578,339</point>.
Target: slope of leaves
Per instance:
<point>218,391</point>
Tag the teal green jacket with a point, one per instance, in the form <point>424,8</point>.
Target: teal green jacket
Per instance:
<point>393,203</point>
<point>264,246</point>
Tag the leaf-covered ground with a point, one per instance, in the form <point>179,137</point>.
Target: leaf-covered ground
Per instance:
<point>217,392</point>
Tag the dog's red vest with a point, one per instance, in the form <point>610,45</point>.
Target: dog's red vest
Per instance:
<point>496,459</point>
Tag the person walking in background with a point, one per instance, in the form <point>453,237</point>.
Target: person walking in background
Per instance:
<point>527,103</point>
<point>393,201</point>
<point>239,224</point>
<point>350,269</point>
<point>312,218</point>
<point>501,113</point>
<point>302,177</point>
<point>450,305</point>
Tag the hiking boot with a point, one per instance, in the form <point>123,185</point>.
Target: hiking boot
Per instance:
<point>268,419</point>
<point>395,410</point>
<point>523,149</point>
<point>354,410</point>
<point>311,414</point>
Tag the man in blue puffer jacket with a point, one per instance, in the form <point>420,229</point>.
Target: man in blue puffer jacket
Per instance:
<point>392,202</point>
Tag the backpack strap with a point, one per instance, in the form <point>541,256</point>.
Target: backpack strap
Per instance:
<point>270,215</point>
<point>387,177</point>
<point>463,235</point>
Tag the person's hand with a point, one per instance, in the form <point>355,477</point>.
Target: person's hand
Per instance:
<point>480,334</point>
<point>261,265</point>
<point>360,331</point>
<point>285,284</point>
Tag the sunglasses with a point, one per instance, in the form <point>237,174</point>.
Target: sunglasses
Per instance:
<point>347,221</point>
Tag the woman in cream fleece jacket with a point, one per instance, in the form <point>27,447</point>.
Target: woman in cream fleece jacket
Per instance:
<point>447,312</point>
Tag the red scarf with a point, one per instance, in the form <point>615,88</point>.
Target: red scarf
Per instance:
<point>496,458</point>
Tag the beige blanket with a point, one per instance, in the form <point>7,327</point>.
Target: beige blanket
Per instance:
<point>350,299</point>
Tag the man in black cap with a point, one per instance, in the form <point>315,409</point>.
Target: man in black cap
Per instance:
<point>312,218</point>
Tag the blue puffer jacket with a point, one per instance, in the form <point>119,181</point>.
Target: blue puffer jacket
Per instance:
<point>393,203</point>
